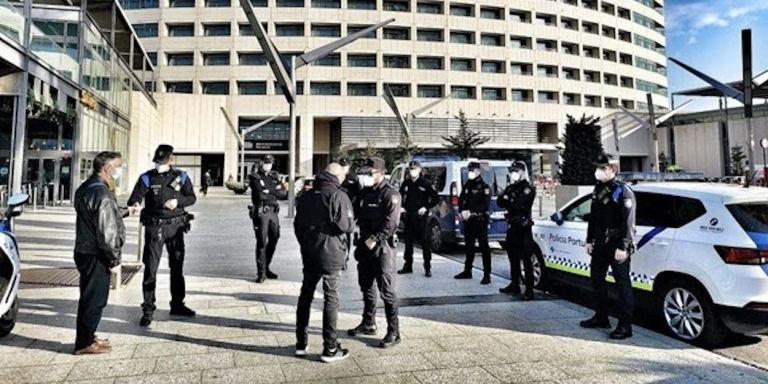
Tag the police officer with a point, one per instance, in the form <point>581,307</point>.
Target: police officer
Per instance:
<point>166,192</point>
<point>351,184</point>
<point>517,199</point>
<point>474,205</point>
<point>610,243</point>
<point>266,189</point>
<point>419,196</point>
<point>378,213</point>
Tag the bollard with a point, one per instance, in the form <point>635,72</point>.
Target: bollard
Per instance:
<point>34,199</point>
<point>140,248</point>
<point>541,206</point>
<point>45,196</point>
<point>61,195</point>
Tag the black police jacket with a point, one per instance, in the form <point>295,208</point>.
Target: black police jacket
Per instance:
<point>99,225</point>
<point>475,197</point>
<point>518,199</point>
<point>418,194</point>
<point>324,217</point>
<point>612,215</point>
<point>351,186</point>
<point>378,212</point>
<point>156,188</point>
<point>266,189</point>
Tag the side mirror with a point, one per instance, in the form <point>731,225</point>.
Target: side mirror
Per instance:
<point>18,199</point>
<point>15,211</point>
<point>557,217</point>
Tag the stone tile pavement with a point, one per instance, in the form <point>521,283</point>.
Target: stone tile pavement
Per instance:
<point>244,332</point>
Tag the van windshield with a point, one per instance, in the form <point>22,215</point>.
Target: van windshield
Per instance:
<point>496,177</point>
<point>753,217</point>
<point>436,175</point>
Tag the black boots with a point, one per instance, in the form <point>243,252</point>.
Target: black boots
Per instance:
<point>596,322</point>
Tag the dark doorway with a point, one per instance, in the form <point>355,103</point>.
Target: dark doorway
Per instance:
<point>215,165</point>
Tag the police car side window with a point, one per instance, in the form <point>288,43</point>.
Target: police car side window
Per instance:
<point>579,211</point>
<point>655,210</point>
<point>688,210</point>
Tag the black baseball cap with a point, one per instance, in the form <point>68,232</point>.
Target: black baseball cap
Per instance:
<point>414,164</point>
<point>268,159</point>
<point>473,165</point>
<point>605,159</point>
<point>374,164</point>
<point>163,154</point>
<point>517,166</point>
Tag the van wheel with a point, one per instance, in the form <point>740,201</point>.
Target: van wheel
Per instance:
<point>436,236</point>
<point>689,314</point>
<point>8,320</point>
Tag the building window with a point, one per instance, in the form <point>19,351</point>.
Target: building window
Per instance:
<point>592,52</point>
<point>178,86</point>
<point>216,88</point>
<point>429,35</point>
<point>609,55</point>
<point>326,30</point>
<point>181,30</point>
<point>492,40</point>
<point>430,91</point>
<point>361,4</point>
<point>462,92</point>
<point>361,89</point>
<point>361,60</point>
<point>570,48</point>
<point>522,95</point>
<point>492,13</point>
<point>647,86</point>
<point>518,16</point>
<point>648,22</point>
<point>465,10</point>
<point>571,73</point>
<point>429,7</point>
<point>259,3</point>
<point>546,71</point>
<point>524,69</point>
<point>589,27</point>
<point>216,59</point>
<point>299,88</point>
<point>569,23</point>
<point>571,99</point>
<point>521,42</point>
<point>462,37</point>
<point>546,45</point>
<point>492,66</point>
<point>218,3</point>
<point>252,87</point>
<point>591,76</point>
<point>251,58</point>
<point>145,30</point>
<point>545,19</point>
<point>181,59</point>
<point>429,63</point>
<point>547,97</point>
<point>289,29</point>
<point>627,82</point>
<point>591,101</point>
<point>332,60</point>
<point>463,65</point>
<point>181,3</point>
<point>397,61</point>
<point>325,88</point>
<point>397,5</point>
<point>290,3</point>
<point>150,86</point>
<point>395,33</point>
<point>247,30</point>
<point>357,28</point>
<point>152,57</point>
<point>493,94</point>
<point>326,3</point>
<point>400,90</point>
<point>216,29</point>
<point>610,79</point>
<point>139,4</point>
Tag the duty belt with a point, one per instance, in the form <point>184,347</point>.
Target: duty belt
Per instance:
<point>610,233</point>
<point>161,221</point>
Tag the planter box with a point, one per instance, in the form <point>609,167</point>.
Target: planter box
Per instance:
<point>565,193</point>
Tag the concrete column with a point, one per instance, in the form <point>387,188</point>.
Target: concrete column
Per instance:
<point>306,144</point>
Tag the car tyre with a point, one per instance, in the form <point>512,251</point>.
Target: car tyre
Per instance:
<point>436,236</point>
<point>8,320</point>
<point>688,314</point>
<point>539,271</point>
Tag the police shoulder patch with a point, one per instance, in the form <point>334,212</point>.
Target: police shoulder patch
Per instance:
<point>487,191</point>
<point>527,191</point>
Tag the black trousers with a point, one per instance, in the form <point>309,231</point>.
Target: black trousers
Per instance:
<point>330,306</point>
<point>94,291</point>
<point>170,236</point>
<point>416,231</point>
<point>476,230</point>
<point>520,249</point>
<point>378,266</point>
<point>603,256</point>
<point>266,225</point>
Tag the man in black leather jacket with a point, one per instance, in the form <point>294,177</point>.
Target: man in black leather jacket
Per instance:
<point>100,236</point>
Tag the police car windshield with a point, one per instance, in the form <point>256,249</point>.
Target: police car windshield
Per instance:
<point>496,177</point>
<point>753,217</point>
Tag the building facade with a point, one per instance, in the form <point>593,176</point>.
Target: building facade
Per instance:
<point>515,68</point>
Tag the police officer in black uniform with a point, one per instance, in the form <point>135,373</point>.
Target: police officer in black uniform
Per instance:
<point>378,213</point>
<point>610,243</point>
<point>419,197</point>
<point>266,189</point>
<point>517,199</point>
<point>166,192</point>
<point>475,205</point>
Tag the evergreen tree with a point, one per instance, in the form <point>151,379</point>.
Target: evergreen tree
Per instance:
<point>582,147</point>
<point>737,160</point>
<point>466,141</point>
<point>406,149</point>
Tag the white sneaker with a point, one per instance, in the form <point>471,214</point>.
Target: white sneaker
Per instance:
<point>301,351</point>
<point>333,356</point>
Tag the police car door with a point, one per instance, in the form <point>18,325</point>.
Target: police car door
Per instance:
<point>563,243</point>
<point>656,227</point>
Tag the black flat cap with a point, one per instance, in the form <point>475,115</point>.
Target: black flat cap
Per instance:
<point>473,165</point>
<point>605,159</point>
<point>163,154</point>
<point>374,163</point>
<point>517,166</point>
<point>268,159</point>
<point>414,164</point>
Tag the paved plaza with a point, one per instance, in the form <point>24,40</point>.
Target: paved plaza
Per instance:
<point>453,331</point>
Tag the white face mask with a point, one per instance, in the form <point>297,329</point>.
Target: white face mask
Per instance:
<point>472,175</point>
<point>345,169</point>
<point>266,167</point>
<point>600,175</point>
<point>118,173</point>
<point>514,177</point>
<point>415,173</point>
<point>366,181</point>
<point>163,168</point>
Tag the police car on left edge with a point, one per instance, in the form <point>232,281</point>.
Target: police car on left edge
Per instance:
<point>701,260</point>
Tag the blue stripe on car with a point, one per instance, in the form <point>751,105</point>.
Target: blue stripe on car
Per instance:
<point>649,236</point>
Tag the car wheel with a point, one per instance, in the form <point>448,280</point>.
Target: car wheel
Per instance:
<point>689,314</point>
<point>8,320</point>
<point>539,270</point>
<point>436,236</point>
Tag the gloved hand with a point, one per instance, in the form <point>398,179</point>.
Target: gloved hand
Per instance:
<point>589,248</point>
<point>465,214</point>
<point>620,255</point>
<point>422,211</point>
<point>370,243</point>
<point>171,204</point>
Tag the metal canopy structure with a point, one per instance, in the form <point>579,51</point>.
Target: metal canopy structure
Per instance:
<point>759,90</point>
<point>405,121</point>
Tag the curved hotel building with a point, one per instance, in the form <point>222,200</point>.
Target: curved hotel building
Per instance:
<point>516,68</point>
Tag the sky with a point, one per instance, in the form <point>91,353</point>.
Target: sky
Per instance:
<point>706,34</point>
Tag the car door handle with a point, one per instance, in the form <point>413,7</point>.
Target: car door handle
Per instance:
<point>660,243</point>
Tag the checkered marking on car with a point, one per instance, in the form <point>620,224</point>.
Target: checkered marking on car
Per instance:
<point>639,281</point>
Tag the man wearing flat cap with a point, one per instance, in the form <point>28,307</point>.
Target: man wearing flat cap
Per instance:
<point>518,199</point>
<point>419,197</point>
<point>475,206</point>
<point>378,213</point>
<point>166,193</point>
<point>266,189</point>
<point>610,244</point>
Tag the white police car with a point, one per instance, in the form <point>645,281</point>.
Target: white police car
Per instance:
<point>702,255</point>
